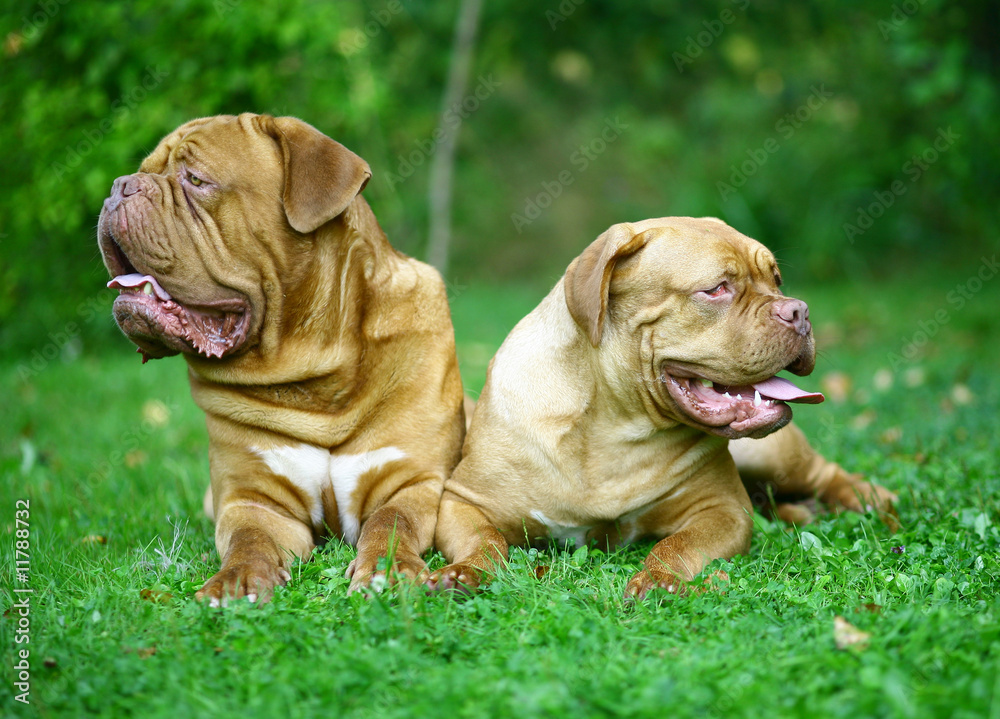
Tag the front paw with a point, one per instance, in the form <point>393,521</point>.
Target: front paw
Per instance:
<point>458,578</point>
<point>852,492</point>
<point>649,579</point>
<point>254,580</point>
<point>365,574</point>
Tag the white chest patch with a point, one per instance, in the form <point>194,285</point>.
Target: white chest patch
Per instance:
<point>313,469</point>
<point>345,470</point>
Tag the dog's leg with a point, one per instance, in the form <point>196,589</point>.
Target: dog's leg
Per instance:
<point>257,542</point>
<point>707,517</point>
<point>400,531</point>
<point>720,531</point>
<point>784,464</point>
<point>467,539</point>
<point>261,522</point>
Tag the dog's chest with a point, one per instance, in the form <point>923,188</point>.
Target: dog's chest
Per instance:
<point>615,482</point>
<point>318,473</point>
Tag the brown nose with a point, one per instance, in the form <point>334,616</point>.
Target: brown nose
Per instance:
<point>794,313</point>
<point>124,186</point>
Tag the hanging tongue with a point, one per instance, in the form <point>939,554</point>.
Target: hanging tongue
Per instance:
<point>122,282</point>
<point>780,388</point>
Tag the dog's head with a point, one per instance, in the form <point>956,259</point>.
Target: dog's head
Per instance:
<point>693,310</point>
<point>219,224</point>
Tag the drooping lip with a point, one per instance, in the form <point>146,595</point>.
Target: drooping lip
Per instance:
<point>751,410</point>
<point>160,325</point>
<point>149,285</point>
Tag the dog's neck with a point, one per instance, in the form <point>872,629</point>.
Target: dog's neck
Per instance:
<point>312,361</point>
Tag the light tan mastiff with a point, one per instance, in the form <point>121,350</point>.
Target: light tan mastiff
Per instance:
<point>324,359</point>
<point>608,412</point>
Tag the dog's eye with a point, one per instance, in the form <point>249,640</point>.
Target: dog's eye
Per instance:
<point>718,291</point>
<point>195,180</point>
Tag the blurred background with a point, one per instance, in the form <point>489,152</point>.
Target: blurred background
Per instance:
<point>858,140</point>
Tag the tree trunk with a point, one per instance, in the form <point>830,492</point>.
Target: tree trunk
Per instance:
<point>443,160</point>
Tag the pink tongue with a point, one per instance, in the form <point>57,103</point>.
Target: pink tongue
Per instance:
<point>780,388</point>
<point>136,280</point>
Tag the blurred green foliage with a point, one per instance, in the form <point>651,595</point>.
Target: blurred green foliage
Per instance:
<point>794,122</point>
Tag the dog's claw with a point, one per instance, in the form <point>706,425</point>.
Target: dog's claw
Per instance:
<point>255,581</point>
<point>646,581</point>
<point>643,583</point>
<point>456,578</point>
<point>364,575</point>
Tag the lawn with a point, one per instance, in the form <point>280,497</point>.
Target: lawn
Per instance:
<point>111,456</point>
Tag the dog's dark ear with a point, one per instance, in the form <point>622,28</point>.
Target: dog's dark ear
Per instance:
<point>322,177</point>
<point>588,278</point>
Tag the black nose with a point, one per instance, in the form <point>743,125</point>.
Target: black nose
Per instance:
<point>794,313</point>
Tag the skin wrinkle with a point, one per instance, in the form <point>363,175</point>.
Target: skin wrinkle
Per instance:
<point>255,497</point>
<point>252,505</point>
<point>374,499</point>
<point>182,188</point>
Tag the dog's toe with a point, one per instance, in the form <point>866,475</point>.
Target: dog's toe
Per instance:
<point>255,581</point>
<point>458,578</point>
<point>647,580</point>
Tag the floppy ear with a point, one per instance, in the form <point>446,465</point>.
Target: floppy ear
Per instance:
<point>588,278</point>
<point>322,177</point>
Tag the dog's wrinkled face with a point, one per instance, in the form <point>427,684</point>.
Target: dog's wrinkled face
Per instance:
<point>212,229</point>
<point>698,306</point>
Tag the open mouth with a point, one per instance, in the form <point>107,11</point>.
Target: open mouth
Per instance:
<point>753,410</point>
<point>161,326</point>
<point>156,322</point>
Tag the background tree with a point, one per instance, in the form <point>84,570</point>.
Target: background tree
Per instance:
<point>854,139</point>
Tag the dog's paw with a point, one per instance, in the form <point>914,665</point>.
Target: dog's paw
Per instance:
<point>644,582</point>
<point>797,513</point>
<point>255,581</point>
<point>457,578</point>
<point>365,574</point>
<point>852,492</point>
<point>649,579</point>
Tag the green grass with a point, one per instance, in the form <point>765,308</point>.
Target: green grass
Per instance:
<point>107,449</point>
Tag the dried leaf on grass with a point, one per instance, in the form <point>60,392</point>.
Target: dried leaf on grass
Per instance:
<point>848,636</point>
